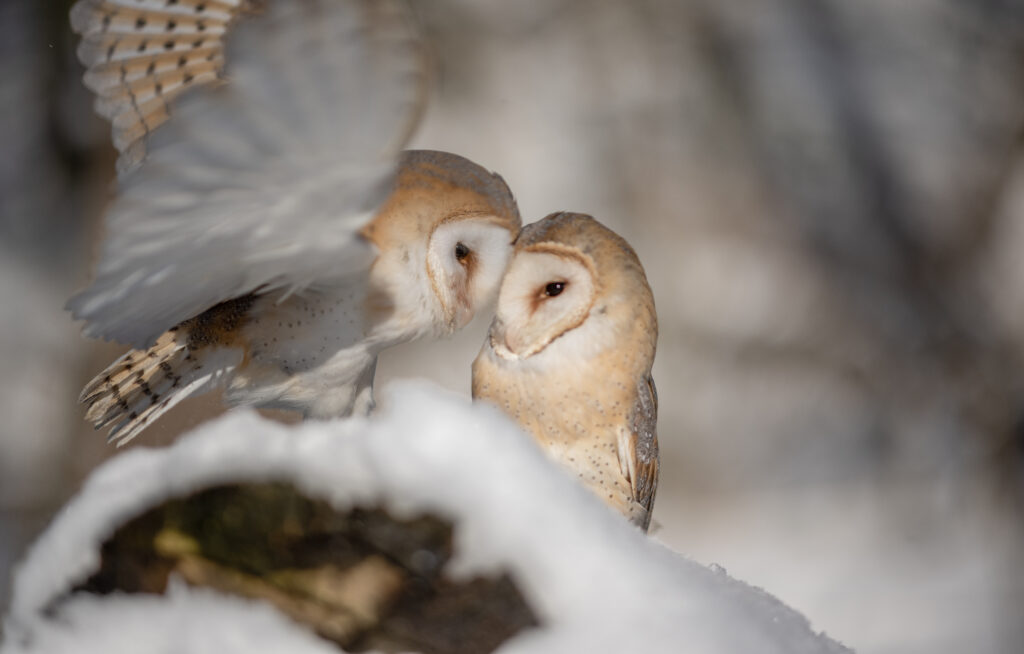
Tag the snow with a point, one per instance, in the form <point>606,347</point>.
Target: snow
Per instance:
<point>166,624</point>
<point>596,583</point>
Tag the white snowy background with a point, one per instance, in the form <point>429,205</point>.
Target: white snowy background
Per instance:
<point>828,198</point>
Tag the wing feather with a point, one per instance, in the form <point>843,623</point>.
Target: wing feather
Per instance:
<point>141,54</point>
<point>644,462</point>
<point>264,180</point>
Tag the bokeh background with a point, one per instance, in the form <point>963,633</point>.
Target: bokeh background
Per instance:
<point>828,197</point>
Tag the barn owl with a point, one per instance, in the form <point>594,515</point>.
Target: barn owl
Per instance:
<point>569,357</point>
<point>270,237</point>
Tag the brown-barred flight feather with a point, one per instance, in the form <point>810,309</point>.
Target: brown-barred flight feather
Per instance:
<point>141,54</point>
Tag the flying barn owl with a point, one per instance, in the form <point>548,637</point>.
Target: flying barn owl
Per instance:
<point>270,236</point>
<point>569,357</point>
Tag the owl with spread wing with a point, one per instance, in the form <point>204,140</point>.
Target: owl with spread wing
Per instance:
<point>269,236</point>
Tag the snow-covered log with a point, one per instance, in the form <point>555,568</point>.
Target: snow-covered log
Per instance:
<point>589,580</point>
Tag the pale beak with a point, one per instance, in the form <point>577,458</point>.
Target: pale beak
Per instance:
<point>463,313</point>
<point>499,340</point>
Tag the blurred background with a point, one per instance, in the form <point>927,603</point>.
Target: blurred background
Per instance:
<point>828,197</point>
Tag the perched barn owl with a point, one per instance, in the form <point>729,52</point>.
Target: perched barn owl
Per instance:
<point>569,357</point>
<point>271,237</point>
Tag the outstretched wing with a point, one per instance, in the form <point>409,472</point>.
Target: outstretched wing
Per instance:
<point>141,54</point>
<point>262,181</point>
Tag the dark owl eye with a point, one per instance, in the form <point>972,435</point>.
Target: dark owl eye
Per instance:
<point>461,251</point>
<point>554,288</point>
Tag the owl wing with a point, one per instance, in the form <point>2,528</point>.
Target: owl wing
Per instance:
<point>142,54</point>
<point>262,181</point>
<point>642,454</point>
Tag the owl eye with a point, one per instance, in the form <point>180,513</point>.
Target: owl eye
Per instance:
<point>461,251</point>
<point>554,288</point>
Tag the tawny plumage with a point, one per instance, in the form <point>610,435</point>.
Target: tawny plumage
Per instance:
<point>141,54</point>
<point>274,239</point>
<point>569,357</point>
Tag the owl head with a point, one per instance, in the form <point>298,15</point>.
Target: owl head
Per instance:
<point>574,282</point>
<point>444,238</point>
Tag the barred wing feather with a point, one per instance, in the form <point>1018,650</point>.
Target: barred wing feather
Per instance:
<point>265,180</point>
<point>141,54</point>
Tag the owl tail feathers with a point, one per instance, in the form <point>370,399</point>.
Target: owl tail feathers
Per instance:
<point>142,385</point>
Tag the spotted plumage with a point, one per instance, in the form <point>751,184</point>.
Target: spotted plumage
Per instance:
<point>569,357</point>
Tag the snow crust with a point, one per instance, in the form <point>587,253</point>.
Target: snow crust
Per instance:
<point>595,581</point>
<point>192,620</point>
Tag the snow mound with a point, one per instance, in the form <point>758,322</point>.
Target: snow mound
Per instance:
<point>596,583</point>
<point>196,621</point>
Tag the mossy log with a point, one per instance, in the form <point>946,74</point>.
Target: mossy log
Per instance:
<point>361,578</point>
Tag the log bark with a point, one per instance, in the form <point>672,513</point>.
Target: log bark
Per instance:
<point>362,578</point>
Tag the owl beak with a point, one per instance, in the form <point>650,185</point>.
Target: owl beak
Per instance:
<point>458,309</point>
<point>499,341</point>
<point>463,312</point>
<point>462,318</point>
